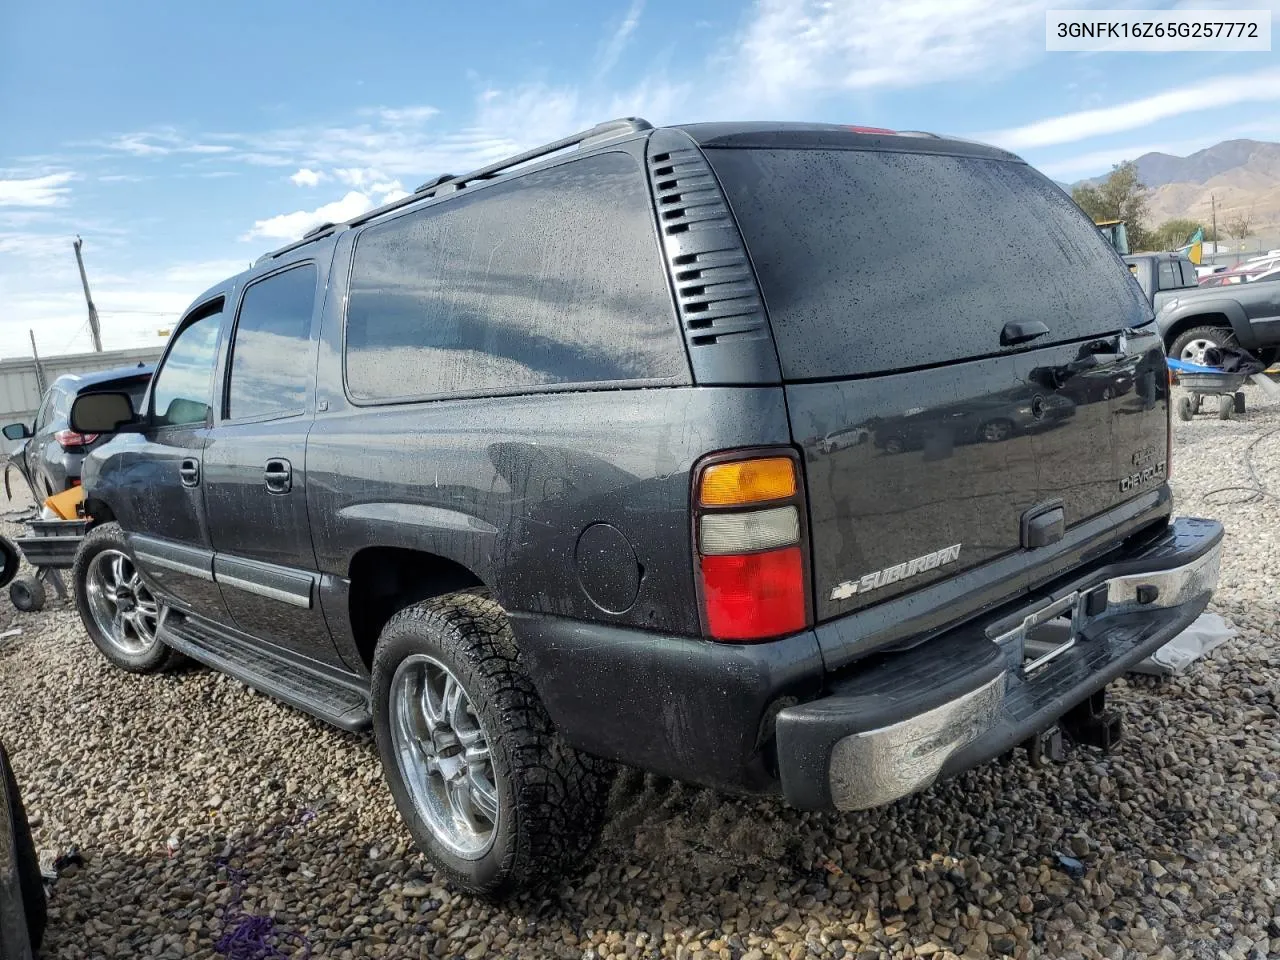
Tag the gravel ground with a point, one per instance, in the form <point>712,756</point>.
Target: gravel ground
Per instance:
<point>156,779</point>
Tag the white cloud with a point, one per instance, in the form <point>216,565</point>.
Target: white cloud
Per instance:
<point>46,191</point>
<point>1216,93</point>
<point>792,51</point>
<point>290,226</point>
<point>612,50</point>
<point>306,177</point>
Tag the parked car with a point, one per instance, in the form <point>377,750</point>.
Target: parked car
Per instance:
<point>22,900</point>
<point>542,467</point>
<point>1209,269</point>
<point>1246,315</point>
<point>1162,275</point>
<point>51,457</point>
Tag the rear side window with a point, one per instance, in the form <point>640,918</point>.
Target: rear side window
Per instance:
<point>550,278</point>
<point>270,360</point>
<point>875,261</point>
<point>1189,278</point>
<point>1170,275</point>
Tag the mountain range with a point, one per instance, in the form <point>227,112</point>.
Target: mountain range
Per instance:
<point>1239,177</point>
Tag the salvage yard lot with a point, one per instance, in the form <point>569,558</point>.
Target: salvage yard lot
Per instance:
<point>197,803</point>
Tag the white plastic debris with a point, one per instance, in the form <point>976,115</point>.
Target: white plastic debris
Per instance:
<point>1208,632</point>
<point>48,513</point>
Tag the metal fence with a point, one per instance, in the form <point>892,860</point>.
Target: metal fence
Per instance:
<point>20,390</point>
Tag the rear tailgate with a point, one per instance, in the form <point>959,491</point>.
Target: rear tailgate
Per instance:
<point>889,277</point>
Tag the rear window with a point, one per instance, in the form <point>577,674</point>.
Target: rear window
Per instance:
<point>875,261</point>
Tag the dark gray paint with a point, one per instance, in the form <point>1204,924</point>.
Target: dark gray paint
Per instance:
<point>896,466</point>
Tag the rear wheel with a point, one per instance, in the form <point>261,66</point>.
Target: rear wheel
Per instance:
<point>487,788</point>
<point>1191,345</point>
<point>116,606</point>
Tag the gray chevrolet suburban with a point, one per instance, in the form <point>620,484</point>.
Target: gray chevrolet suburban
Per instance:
<point>743,453</point>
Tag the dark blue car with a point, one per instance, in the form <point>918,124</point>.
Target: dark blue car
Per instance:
<point>53,452</point>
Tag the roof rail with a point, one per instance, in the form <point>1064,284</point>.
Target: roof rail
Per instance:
<point>600,132</point>
<point>449,183</point>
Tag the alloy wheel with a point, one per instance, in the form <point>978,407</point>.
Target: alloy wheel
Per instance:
<point>123,609</point>
<point>444,758</point>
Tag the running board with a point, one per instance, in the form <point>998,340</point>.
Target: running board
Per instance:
<point>337,698</point>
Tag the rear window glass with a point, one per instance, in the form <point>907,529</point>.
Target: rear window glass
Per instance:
<point>876,261</point>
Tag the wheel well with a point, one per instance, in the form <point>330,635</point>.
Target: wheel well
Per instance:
<point>385,580</point>
<point>1198,320</point>
<point>99,511</point>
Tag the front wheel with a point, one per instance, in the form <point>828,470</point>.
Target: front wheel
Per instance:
<point>487,788</point>
<point>118,610</point>
<point>1192,345</point>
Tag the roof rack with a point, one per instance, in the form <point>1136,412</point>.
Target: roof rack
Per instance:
<point>447,183</point>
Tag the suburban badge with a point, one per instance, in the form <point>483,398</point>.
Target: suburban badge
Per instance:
<point>900,571</point>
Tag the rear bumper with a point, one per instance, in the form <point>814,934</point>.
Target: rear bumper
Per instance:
<point>903,720</point>
<point>775,717</point>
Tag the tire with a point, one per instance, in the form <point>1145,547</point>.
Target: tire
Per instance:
<point>27,594</point>
<point>1226,407</point>
<point>1186,409</point>
<point>549,799</point>
<point>1238,401</point>
<point>30,883</point>
<point>129,641</point>
<point>10,559</point>
<point>1191,344</point>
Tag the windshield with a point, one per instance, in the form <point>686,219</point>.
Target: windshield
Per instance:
<point>876,261</point>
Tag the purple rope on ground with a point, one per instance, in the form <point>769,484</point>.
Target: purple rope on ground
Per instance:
<point>247,936</point>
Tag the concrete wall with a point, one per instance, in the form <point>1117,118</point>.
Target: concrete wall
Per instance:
<point>20,393</point>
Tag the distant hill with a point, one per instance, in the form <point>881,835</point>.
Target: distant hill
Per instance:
<point>1240,175</point>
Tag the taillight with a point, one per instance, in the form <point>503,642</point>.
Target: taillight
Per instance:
<point>69,438</point>
<point>749,542</point>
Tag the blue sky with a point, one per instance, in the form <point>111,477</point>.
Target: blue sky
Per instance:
<point>182,140</point>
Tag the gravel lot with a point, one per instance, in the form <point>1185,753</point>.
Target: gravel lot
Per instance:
<point>159,780</point>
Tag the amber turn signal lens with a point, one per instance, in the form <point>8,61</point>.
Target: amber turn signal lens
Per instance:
<point>747,481</point>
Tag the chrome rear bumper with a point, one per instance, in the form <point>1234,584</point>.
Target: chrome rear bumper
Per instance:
<point>1010,695</point>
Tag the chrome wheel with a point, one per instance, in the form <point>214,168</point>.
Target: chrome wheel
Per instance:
<point>443,754</point>
<point>123,609</point>
<point>1194,351</point>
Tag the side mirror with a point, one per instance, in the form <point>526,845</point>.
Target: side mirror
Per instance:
<point>102,413</point>
<point>16,431</point>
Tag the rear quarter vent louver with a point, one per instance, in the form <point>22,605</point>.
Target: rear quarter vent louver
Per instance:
<point>721,310</point>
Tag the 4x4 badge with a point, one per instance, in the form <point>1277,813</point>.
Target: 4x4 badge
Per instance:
<point>900,571</point>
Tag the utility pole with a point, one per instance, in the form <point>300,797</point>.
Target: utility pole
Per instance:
<point>39,369</point>
<point>93,311</point>
<point>1213,203</point>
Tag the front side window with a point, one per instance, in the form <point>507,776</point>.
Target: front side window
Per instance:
<point>184,384</point>
<point>553,277</point>
<point>270,362</point>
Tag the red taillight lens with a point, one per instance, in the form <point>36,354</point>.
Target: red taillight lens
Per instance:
<point>749,543</point>
<point>69,438</point>
<point>858,129</point>
<point>754,596</point>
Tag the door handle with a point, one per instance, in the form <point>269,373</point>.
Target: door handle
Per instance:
<point>278,476</point>
<point>189,471</point>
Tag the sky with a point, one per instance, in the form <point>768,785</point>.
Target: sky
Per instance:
<point>182,140</point>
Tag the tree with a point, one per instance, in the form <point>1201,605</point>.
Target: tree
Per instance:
<point>1175,233</point>
<point>1122,196</point>
<point>1240,226</point>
